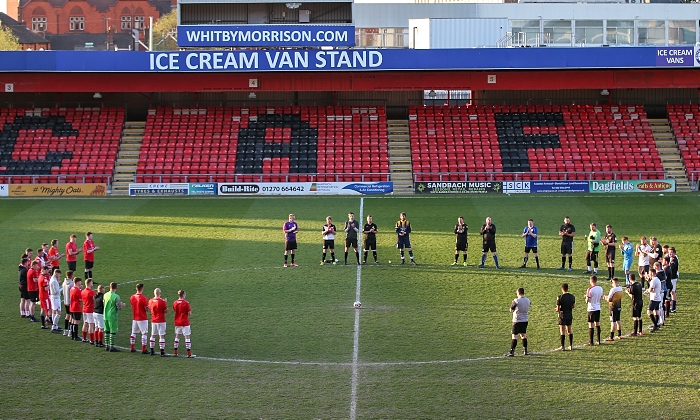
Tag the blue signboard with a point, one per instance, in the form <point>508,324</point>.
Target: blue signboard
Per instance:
<point>265,36</point>
<point>349,60</point>
<point>549,187</point>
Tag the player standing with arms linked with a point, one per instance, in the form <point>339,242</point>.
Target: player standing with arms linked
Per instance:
<point>182,310</point>
<point>158,307</point>
<point>290,229</point>
<point>370,242</point>
<point>530,235</point>
<point>567,231</point>
<point>614,299</point>
<point>635,291</point>
<point>610,242</point>
<point>139,323</point>
<point>403,239</point>
<point>113,305</point>
<point>328,240</point>
<point>488,232</point>
<point>352,228</point>
<point>71,251</point>
<point>461,240</point>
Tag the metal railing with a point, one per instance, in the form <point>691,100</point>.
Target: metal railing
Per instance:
<point>330,177</point>
<point>57,179</point>
<point>694,178</point>
<point>536,176</point>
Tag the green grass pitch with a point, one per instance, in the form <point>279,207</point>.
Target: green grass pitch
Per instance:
<point>280,343</point>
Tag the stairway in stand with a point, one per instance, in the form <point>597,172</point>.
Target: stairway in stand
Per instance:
<point>128,157</point>
<point>400,156</point>
<point>669,153</point>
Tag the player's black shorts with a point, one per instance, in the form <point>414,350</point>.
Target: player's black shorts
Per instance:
<point>329,244</point>
<point>592,255</point>
<point>489,246</point>
<point>403,242</point>
<point>594,316</point>
<point>370,244</point>
<point>461,245</point>
<point>67,309</point>
<point>76,316</point>
<point>23,293</point>
<point>351,243</point>
<point>33,295</point>
<point>566,319</point>
<point>519,328</point>
<point>637,310</point>
<point>654,305</point>
<point>610,256</point>
<point>530,248</point>
<point>615,314</point>
<point>290,245</point>
<point>567,248</point>
<point>89,265</point>
<point>72,265</point>
<point>641,270</point>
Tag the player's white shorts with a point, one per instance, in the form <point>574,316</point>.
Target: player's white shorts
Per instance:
<point>183,330</point>
<point>139,327</point>
<point>88,318</point>
<point>99,320</point>
<point>673,283</point>
<point>55,303</point>
<point>157,328</point>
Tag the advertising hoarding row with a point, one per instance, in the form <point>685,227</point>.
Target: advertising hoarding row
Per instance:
<point>545,187</point>
<point>262,188</point>
<point>53,190</point>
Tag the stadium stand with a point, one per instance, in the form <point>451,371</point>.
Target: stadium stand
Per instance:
<point>527,142</point>
<point>66,145</point>
<point>685,123</point>
<point>268,144</point>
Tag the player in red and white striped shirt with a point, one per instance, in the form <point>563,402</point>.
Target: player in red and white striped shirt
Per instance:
<point>182,322</point>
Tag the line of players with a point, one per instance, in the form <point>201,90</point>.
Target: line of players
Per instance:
<point>39,282</point>
<point>352,230</point>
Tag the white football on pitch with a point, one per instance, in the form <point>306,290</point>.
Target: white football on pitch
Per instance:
<point>357,304</point>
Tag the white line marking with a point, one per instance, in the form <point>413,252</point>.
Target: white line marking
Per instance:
<point>356,335</point>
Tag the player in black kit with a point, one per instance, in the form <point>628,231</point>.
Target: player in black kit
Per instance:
<point>610,242</point>
<point>567,231</point>
<point>352,227</point>
<point>488,232</point>
<point>461,243</point>
<point>370,243</point>
<point>565,305</point>
<point>634,289</point>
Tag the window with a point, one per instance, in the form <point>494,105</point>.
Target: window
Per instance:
<point>651,32</point>
<point>39,24</point>
<point>526,32</point>
<point>77,23</point>
<point>126,23</point>
<point>556,31</point>
<point>139,22</point>
<point>681,32</point>
<point>620,32</point>
<point>589,32</point>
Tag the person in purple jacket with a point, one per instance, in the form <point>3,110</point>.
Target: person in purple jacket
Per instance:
<point>290,229</point>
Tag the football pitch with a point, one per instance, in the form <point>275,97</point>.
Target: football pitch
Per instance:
<point>286,343</point>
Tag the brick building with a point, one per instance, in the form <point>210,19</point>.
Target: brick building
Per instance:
<point>90,16</point>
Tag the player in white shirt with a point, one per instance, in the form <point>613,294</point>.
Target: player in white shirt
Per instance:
<point>655,297</point>
<point>67,285</point>
<point>642,251</point>
<point>594,294</point>
<point>55,291</point>
<point>520,307</point>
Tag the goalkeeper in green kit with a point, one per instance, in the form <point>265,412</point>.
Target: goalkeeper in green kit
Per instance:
<point>593,249</point>
<point>112,305</point>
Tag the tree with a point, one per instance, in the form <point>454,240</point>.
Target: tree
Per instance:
<point>8,40</point>
<point>165,32</point>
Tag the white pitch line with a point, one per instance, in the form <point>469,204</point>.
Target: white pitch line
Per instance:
<point>356,335</point>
